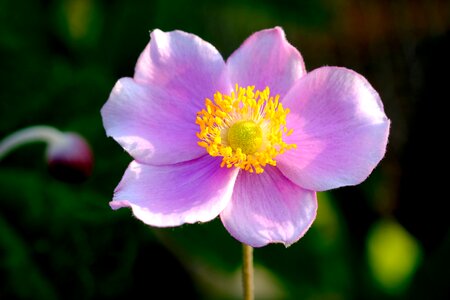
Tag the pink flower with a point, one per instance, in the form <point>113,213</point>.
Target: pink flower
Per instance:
<point>251,139</point>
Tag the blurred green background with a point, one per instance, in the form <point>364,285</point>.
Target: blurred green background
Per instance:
<point>387,238</point>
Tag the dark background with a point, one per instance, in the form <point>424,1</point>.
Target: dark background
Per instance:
<point>387,238</point>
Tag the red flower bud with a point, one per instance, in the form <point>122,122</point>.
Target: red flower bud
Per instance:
<point>69,156</point>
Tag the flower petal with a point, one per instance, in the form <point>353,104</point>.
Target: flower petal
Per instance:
<point>153,118</point>
<point>266,59</point>
<point>268,208</point>
<point>340,129</point>
<point>162,196</point>
<point>188,67</point>
<point>151,124</point>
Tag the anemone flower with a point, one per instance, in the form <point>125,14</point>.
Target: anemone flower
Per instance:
<point>250,139</point>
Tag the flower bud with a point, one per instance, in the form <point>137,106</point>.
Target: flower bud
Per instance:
<point>70,158</point>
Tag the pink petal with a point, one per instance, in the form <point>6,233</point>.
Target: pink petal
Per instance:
<point>340,129</point>
<point>268,208</point>
<point>183,64</point>
<point>151,124</point>
<point>153,118</point>
<point>189,192</point>
<point>266,59</point>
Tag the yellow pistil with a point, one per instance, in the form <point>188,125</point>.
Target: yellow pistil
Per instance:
<point>246,128</point>
<point>246,135</point>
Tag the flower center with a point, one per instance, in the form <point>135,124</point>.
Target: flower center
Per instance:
<point>246,128</point>
<point>246,135</point>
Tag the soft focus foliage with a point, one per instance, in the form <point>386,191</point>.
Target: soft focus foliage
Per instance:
<point>393,255</point>
<point>58,62</point>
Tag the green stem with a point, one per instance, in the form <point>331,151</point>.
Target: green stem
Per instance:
<point>40,133</point>
<point>247,272</point>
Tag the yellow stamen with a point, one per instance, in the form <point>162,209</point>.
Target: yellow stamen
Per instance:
<point>246,128</point>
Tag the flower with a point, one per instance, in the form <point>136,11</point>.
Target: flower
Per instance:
<point>251,139</point>
<point>70,158</point>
